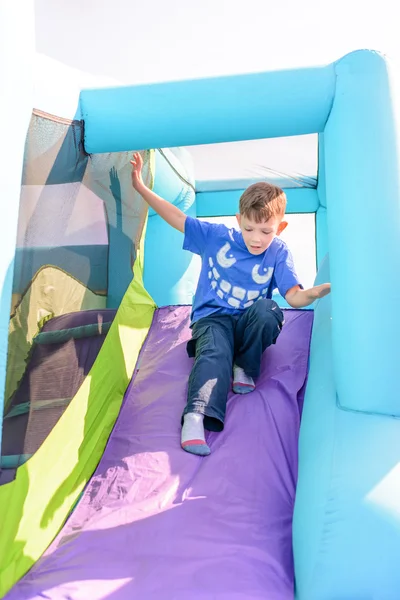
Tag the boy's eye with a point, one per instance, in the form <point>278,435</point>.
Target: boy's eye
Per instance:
<point>248,229</point>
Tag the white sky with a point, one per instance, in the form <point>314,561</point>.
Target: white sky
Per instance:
<point>102,42</point>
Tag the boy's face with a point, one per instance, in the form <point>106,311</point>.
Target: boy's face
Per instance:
<point>259,236</point>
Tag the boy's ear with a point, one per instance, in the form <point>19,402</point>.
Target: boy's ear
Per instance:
<point>238,218</point>
<point>282,227</point>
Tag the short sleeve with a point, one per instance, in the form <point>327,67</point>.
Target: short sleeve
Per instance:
<point>285,273</point>
<point>196,235</point>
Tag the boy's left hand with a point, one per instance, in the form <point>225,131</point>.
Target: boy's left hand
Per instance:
<point>319,291</point>
<point>298,298</point>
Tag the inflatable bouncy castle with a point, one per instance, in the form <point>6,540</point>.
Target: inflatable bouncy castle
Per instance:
<point>301,494</point>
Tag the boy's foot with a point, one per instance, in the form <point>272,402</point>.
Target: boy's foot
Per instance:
<point>242,383</point>
<point>193,439</point>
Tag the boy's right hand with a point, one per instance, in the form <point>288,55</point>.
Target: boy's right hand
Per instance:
<point>137,165</point>
<point>167,211</point>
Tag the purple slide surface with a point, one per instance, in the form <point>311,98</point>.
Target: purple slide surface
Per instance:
<point>158,523</point>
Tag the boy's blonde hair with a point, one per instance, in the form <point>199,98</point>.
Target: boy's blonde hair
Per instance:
<point>261,201</point>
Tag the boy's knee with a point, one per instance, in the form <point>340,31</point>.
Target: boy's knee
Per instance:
<point>268,318</point>
<point>266,308</point>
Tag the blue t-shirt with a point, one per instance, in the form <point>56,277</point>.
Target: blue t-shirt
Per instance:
<point>231,278</point>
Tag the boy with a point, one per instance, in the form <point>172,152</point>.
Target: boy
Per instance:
<point>233,318</point>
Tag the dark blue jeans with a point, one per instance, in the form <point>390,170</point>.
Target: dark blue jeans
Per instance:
<point>217,342</point>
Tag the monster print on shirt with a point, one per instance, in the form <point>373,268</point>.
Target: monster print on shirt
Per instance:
<point>220,280</point>
<point>231,278</point>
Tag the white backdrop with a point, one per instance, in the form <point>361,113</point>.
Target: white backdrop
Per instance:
<point>83,43</point>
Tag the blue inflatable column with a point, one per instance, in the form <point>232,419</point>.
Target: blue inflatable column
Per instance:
<point>363,208</point>
<point>321,227</point>
<point>170,274</point>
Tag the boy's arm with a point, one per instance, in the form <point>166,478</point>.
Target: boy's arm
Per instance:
<point>289,285</point>
<point>170,213</point>
<point>298,298</point>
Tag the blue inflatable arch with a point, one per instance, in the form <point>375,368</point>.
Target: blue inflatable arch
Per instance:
<point>346,533</point>
<point>350,105</point>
